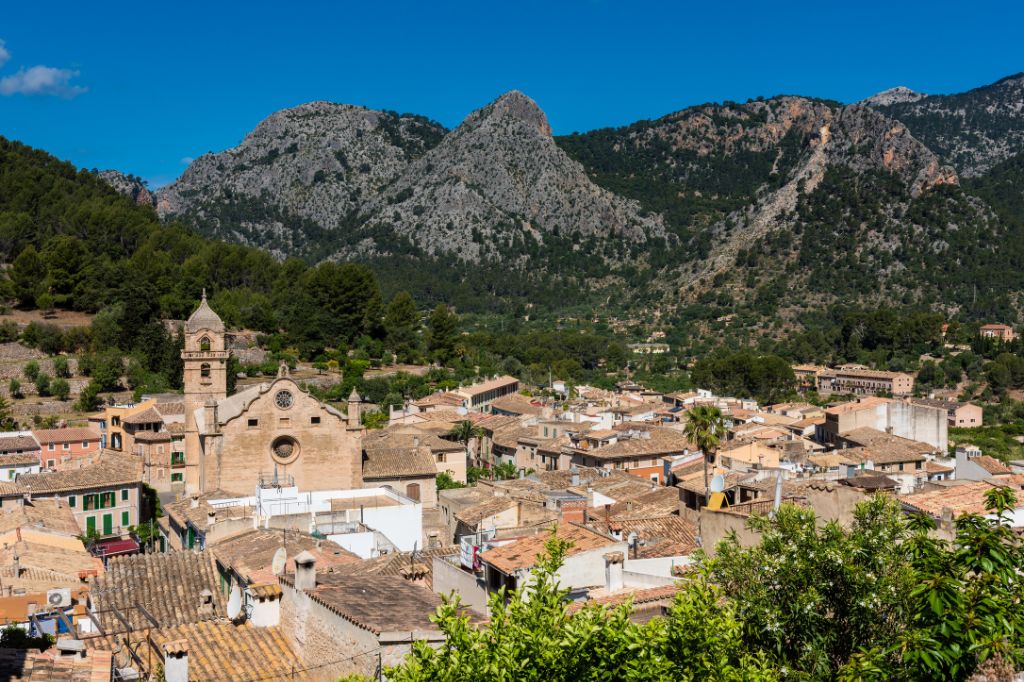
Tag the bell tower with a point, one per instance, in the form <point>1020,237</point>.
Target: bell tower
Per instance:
<point>205,358</point>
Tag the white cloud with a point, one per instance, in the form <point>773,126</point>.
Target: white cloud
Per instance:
<point>186,160</point>
<point>5,54</point>
<point>41,80</point>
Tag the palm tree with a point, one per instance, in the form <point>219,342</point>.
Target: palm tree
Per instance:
<point>466,431</point>
<point>705,428</point>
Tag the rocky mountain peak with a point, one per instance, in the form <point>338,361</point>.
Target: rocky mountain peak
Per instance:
<point>513,106</point>
<point>896,95</point>
<point>131,186</point>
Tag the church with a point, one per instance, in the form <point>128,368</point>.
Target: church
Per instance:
<point>270,430</point>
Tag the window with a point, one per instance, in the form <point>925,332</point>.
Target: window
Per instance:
<point>253,423</point>
<point>65,446</point>
<point>90,502</point>
<point>177,478</point>
<point>204,370</point>
<point>51,447</point>
<point>918,466</point>
<point>204,344</point>
<point>440,457</point>
<point>124,494</point>
<point>115,421</point>
<point>10,474</point>
<point>125,520</point>
<point>50,463</point>
<point>412,491</point>
<point>901,466</point>
<point>85,445</point>
<point>71,500</point>
<point>315,421</point>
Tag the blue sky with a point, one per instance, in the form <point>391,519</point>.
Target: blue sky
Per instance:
<point>143,87</point>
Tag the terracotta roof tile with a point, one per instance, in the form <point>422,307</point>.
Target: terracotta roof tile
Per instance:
<point>169,586</point>
<point>251,554</point>
<point>111,470</point>
<point>522,554</point>
<point>67,435</point>
<point>390,463</point>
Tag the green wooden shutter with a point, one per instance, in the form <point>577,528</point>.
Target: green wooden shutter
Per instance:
<point>90,524</point>
<point>124,519</point>
<point>108,524</point>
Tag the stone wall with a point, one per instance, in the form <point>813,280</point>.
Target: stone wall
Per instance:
<point>325,641</point>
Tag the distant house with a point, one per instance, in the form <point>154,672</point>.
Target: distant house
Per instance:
<point>971,465</point>
<point>863,381</point>
<point>19,454</point>
<point>961,415</point>
<point>60,447</point>
<point>1001,332</point>
<point>478,397</point>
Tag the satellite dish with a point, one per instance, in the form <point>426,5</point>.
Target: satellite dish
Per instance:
<point>717,483</point>
<point>280,559</point>
<point>234,602</point>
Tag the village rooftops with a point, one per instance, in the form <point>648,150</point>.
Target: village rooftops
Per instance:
<point>17,442</point>
<point>991,465</point>
<point>175,588</point>
<point>661,536</point>
<point>112,469</point>
<point>20,665</point>
<point>855,405</point>
<point>377,603</point>
<point>391,463</point>
<point>68,435</point>
<point>49,515</point>
<point>251,554</point>
<point>148,416</point>
<point>396,563</point>
<point>218,651</point>
<point>409,437</point>
<point>183,511</point>
<point>522,554</point>
<point>652,442</point>
<point>883,448</point>
<point>20,459</point>
<point>486,386</point>
<point>960,497</point>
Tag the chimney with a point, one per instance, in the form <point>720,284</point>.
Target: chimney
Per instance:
<point>206,603</point>
<point>354,407</point>
<point>416,573</point>
<point>305,571</point>
<point>946,521</point>
<point>72,648</point>
<point>195,502</point>
<point>211,517</point>
<point>213,424</point>
<point>265,599</point>
<point>17,564</point>
<point>176,661</point>
<point>613,564</point>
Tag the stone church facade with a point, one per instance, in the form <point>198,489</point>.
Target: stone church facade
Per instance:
<point>271,429</point>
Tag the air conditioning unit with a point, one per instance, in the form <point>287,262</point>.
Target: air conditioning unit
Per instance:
<point>59,598</point>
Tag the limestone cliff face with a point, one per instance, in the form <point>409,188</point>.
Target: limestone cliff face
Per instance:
<point>299,171</point>
<point>973,131</point>
<point>499,175</point>
<point>130,186</point>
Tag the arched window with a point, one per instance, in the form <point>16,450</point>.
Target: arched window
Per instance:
<point>204,343</point>
<point>204,369</point>
<point>412,491</point>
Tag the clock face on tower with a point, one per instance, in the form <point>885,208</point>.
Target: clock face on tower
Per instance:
<point>283,399</point>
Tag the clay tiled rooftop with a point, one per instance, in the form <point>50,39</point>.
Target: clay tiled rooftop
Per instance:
<point>112,470</point>
<point>960,498</point>
<point>20,459</point>
<point>390,463</point>
<point>473,515</point>
<point>69,435</point>
<point>883,448</point>
<point>408,437</point>
<point>395,563</point>
<point>992,465</point>
<point>485,386</point>
<point>17,665</point>
<point>150,415</point>
<point>378,603</point>
<point>251,554</point>
<point>182,511</point>
<point>662,536</point>
<point>39,514</point>
<point>854,405</point>
<point>170,586</point>
<point>13,444</point>
<point>440,399</point>
<point>653,442</point>
<point>522,554</point>
<point>663,594</point>
<point>218,651</point>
